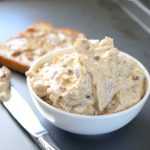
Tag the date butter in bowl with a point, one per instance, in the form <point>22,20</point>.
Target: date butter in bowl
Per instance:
<point>90,88</point>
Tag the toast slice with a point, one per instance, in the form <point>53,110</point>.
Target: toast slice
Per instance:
<point>19,52</point>
<point>4,84</point>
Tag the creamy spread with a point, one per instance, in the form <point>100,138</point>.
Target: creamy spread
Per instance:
<point>4,84</point>
<point>35,42</point>
<point>94,78</point>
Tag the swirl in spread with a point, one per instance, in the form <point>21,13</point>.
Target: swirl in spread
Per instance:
<point>93,79</point>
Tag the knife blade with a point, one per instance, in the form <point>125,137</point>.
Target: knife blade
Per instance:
<point>22,112</point>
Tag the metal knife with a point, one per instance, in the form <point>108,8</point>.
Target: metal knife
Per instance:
<point>22,112</point>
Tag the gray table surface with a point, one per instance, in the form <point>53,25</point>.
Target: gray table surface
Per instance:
<point>96,19</point>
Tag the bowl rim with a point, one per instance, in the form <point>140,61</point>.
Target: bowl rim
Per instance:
<point>83,116</point>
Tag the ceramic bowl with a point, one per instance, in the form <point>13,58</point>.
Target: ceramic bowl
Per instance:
<point>86,124</point>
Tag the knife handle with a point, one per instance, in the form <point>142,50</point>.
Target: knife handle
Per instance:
<point>46,143</point>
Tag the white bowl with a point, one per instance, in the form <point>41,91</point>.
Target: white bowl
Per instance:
<point>84,124</point>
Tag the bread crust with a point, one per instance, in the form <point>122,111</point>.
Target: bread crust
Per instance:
<point>9,57</point>
<point>13,64</point>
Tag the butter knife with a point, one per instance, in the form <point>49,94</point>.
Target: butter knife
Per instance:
<point>22,112</point>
